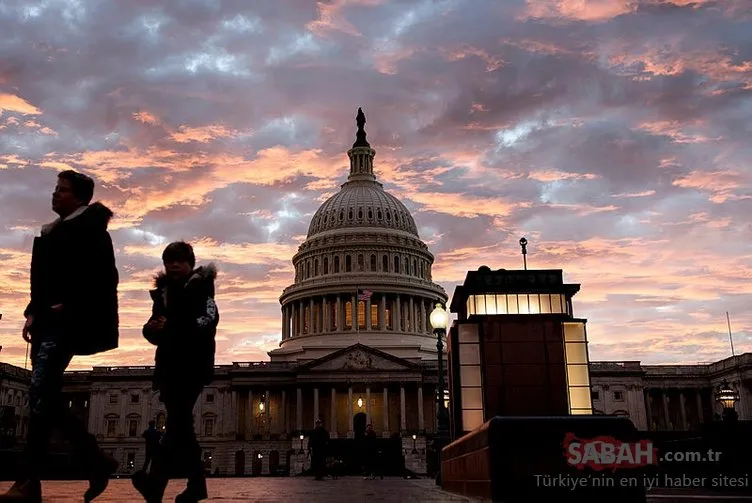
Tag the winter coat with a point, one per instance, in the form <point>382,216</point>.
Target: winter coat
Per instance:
<point>185,345</point>
<point>73,264</point>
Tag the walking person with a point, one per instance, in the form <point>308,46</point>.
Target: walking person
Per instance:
<point>318,445</point>
<point>73,311</point>
<point>152,437</point>
<point>183,326</point>
<point>369,453</point>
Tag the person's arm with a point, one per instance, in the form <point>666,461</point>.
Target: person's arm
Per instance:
<point>155,326</point>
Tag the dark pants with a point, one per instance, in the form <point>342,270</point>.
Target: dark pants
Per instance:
<point>179,455</point>
<point>147,458</point>
<point>49,359</point>
<point>318,463</point>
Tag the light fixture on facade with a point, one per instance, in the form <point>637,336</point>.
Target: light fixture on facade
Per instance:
<point>439,318</point>
<point>360,403</point>
<point>261,406</point>
<point>727,396</point>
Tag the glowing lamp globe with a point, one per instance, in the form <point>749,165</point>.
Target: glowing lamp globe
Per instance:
<point>439,318</point>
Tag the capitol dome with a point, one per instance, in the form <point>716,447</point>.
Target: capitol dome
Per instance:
<point>362,275</point>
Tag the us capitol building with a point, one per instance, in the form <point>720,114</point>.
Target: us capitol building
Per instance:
<point>356,348</point>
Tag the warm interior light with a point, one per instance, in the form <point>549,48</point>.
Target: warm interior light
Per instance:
<point>439,318</point>
<point>727,396</point>
<point>360,402</point>
<point>261,406</point>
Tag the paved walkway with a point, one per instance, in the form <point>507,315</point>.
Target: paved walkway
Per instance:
<point>293,489</point>
<point>266,489</point>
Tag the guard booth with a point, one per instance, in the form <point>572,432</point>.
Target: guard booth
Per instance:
<point>516,348</point>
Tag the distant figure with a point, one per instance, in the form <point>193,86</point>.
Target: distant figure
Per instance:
<point>318,444</point>
<point>183,326</point>
<point>152,436</point>
<point>370,453</point>
<point>73,311</point>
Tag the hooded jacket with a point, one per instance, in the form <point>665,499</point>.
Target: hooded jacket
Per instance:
<point>186,344</point>
<point>73,264</point>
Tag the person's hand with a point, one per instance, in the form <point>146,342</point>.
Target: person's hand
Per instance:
<point>26,327</point>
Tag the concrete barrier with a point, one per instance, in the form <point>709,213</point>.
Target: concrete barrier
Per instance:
<point>513,459</point>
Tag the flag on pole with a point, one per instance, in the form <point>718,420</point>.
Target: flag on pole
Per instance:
<point>365,295</point>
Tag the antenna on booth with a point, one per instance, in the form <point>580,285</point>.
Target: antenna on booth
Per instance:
<point>523,245</point>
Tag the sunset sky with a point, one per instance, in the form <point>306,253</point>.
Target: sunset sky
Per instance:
<point>615,135</point>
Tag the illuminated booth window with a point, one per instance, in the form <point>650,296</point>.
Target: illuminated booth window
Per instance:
<point>471,390</point>
<point>578,372</point>
<point>523,303</point>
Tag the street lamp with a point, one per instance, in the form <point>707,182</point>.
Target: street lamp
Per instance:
<point>415,437</point>
<point>301,445</point>
<point>439,320</point>
<point>727,397</point>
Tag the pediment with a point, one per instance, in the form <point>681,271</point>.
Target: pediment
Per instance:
<point>359,358</point>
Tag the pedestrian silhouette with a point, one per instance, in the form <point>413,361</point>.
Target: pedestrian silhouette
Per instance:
<point>152,437</point>
<point>318,444</point>
<point>183,326</point>
<point>73,311</point>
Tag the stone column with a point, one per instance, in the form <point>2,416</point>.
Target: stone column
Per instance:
<point>397,321</point>
<point>423,318</point>
<point>421,422</point>
<point>403,419</point>
<point>294,318</point>
<point>368,404</point>
<point>301,318</point>
<point>283,411</point>
<point>299,410</point>
<point>349,412</point>
<point>698,396</point>
<point>325,314</point>
<point>249,415</point>
<point>411,306</point>
<point>268,411</point>
<point>382,312</point>
<point>385,409</point>
<point>234,412</point>
<point>315,404</point>
<point>311,327</point>
<point>355,320</point>
<point>338,314</point>
<point>649,409</point>
<point>666,415</point>
<point>333,414</point>
<point>682,399</point>
<point>368,314</point>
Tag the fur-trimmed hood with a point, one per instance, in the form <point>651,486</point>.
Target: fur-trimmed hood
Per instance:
<point>96,215</point>
<point>205,274</point>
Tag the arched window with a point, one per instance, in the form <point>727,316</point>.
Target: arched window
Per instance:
<point>361,264</point>
<point>336,265</point>
<point>396,265</point>
<point>160,420</point>
<point>407,265</point>
<point>373,263</point>
<point>308,270</point>
<point>348,263</point>
<point>415,267</point>
<point>384,263</point>
<point>326,265</point>
<point>316,267</point>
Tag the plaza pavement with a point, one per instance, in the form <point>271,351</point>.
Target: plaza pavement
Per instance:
<point>292,489</point>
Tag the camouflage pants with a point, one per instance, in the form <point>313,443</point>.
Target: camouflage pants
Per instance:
<point>49,359</point>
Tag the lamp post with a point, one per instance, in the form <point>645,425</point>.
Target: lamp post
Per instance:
<point>301,445</point>
<point>439,321</point>
<point>415,438</point>
<point>727,397</point>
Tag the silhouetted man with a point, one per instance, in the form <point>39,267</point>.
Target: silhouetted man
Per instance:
<point>318,444</point>
<point>73,311</point>
<point>152,436</point>
<point>183,326</point>
<point>370,453</point>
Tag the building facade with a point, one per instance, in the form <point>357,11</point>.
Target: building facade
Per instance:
<point>356,348</point>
